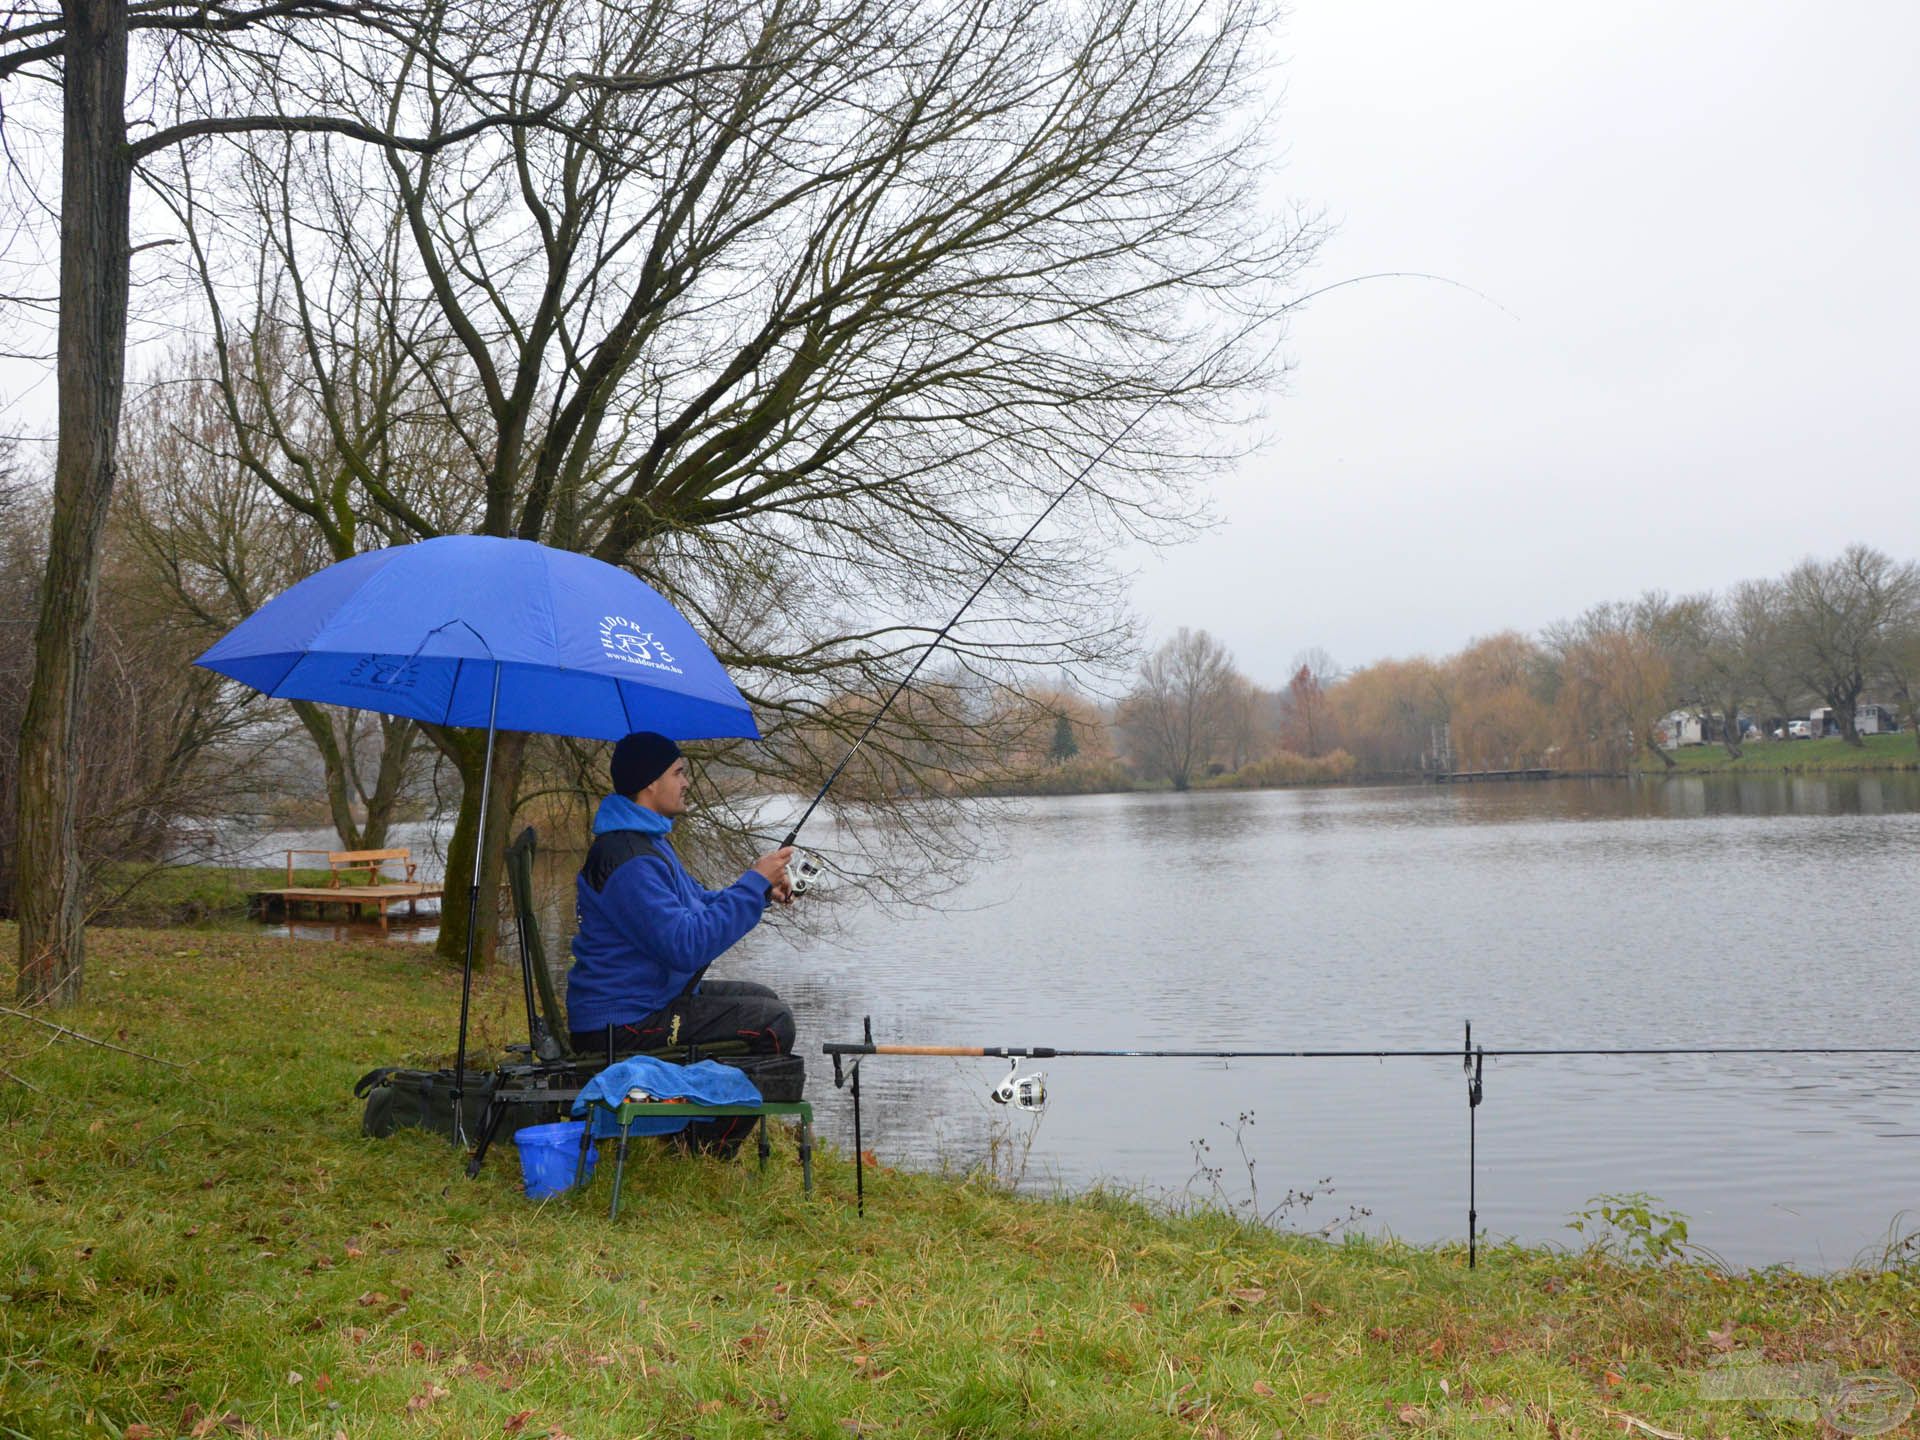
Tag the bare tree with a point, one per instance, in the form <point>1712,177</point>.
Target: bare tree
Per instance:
<point>800,342</point>
<point>1733,638</point>
<point>1901,672</point>
<point>1179,714</point>
<point>1838,620</point>
<point>1387,714</point>
<point>1305,719</point>
<point>280,66</point>
<point>1616,680</point>
<point>1245,713</point>
<point>1494,697</point>
<point>193,82</point>
<point>167,750</point>
<point>215,541</point>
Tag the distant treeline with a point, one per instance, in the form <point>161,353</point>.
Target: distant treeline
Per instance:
<point>1587,694</point>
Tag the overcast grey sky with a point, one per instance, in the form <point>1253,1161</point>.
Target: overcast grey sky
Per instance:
<point>1703,220</point>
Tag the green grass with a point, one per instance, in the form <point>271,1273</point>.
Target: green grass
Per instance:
<point>1878,752</point>
<point>215,1250</point>
<point>136,894</point>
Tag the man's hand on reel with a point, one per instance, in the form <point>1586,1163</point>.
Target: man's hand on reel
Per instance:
<point>773,865</point>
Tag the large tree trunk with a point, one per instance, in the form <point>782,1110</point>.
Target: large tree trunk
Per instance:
<point>1843,702</point>
<point>319,727</point>
<point>338,764</point>
<point>96,187</point>
<point>1730,729</point>
<point>396,744</point>
<point>467,750</point>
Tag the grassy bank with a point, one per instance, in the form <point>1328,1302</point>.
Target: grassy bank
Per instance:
<point>167,895</point>
<point>213,1250</point>
<point>1776,757</point>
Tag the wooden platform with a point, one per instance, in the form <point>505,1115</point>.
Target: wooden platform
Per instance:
<point>1468,777</point>
<point>380,897</point>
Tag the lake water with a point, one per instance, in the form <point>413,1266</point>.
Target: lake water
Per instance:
<point>1607,913</point>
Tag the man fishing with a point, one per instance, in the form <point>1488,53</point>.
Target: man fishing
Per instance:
<point>648,930</point>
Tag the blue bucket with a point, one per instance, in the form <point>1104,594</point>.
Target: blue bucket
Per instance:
<point>550,1157</point>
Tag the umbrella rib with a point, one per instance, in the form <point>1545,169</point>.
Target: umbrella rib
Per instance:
<point>284,674</point>
<point>459,664</point>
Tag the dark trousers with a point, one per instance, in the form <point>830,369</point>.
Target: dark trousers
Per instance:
<point>718,1010</point>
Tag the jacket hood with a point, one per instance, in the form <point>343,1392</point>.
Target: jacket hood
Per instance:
<point>617,812</point>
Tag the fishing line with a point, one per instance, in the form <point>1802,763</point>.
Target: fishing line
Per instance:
<point>810,868</point>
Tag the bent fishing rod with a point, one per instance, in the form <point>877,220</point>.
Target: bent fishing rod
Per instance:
<point>1054,504</point>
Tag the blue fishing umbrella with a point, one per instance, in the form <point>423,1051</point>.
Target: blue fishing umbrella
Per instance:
<point>475,630</point>
<point>478,631</point>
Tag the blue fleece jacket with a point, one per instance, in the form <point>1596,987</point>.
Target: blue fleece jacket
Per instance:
<point>650,930</point>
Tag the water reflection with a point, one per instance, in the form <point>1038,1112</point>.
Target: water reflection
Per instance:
<point>356,932</point>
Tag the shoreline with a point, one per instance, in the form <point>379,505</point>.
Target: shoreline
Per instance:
<point>191,1243</point>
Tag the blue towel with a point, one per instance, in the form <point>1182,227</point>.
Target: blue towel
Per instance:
<point>707,1082</point>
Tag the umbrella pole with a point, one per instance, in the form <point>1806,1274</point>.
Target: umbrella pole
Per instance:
<point>473,919</point>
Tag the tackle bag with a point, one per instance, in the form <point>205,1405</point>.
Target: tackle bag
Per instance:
<point>397,1097</point>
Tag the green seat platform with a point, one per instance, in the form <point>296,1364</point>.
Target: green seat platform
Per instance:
<point>628,1111</point>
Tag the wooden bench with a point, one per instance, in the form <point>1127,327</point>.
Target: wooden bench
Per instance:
<point>368,864</point>
<point>356,879</point>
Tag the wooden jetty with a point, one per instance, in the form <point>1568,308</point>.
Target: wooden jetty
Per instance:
<point>1466,777</point>
<point>357,879</point>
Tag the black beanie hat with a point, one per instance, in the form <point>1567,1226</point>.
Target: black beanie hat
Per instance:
<point>641,759</point>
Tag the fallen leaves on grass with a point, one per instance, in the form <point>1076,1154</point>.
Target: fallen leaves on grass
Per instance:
<point>433,1392</point>
<point>517,1422</point>
<point>139,1430</point>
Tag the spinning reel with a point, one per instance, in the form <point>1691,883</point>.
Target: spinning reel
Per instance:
<point>802,871</point>
<point>1023,1092</point>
